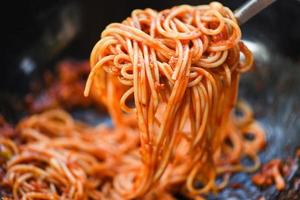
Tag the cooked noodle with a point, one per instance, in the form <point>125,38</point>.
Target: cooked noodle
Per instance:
<point>181,68</point>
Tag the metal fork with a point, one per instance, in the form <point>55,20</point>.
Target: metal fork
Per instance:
<point>250,9</point>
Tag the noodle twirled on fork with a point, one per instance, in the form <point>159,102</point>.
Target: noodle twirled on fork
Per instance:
<point>181,67</point>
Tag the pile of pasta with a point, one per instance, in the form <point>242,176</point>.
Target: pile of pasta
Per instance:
<point>169,81</point>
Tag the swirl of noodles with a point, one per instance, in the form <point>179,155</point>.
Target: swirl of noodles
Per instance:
<point>176,61</point>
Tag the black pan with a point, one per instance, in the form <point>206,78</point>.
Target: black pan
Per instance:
<point>39,33</point>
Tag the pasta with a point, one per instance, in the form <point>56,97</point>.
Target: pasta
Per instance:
<point>180,67</point>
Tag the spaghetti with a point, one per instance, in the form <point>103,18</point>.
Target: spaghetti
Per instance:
<point>181,68</point>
